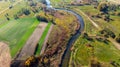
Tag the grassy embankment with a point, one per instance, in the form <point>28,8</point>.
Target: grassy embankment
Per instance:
<point>104,52</point>
<point>42,39</point>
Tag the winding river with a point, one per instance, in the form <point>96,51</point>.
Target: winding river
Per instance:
<point>66,55</point>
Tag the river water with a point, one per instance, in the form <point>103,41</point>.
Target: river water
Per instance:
<point>67,53</point>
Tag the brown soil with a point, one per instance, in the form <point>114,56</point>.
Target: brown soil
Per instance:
<point>5,57</point>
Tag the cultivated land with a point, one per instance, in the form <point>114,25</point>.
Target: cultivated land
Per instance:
<point>32,42</point>
<point>24,31</point>
<point>5,57</point>
<point>44,38</point>
<point>16,32</point>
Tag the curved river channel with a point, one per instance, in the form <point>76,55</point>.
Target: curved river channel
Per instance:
<point>66,55</point>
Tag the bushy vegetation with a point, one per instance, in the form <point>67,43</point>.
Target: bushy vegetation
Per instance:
<point>118,38</point>
<point>107,33</point>
<point>59,36</point>
<point>103,49</point>
<point>103,53</point>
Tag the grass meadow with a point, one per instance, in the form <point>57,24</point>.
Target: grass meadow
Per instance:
<point>16,32</point>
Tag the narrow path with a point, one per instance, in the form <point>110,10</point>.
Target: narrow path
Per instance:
<point>8,7</point>
<point>96,25</point>
<point>117,45</point>
<point>46,39</point>
<point>31,44</point>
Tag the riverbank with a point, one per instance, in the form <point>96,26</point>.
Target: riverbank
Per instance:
<point>66,55</point>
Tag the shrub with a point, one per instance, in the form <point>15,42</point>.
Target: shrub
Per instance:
<point>40,18</point>
<point>107,33</point>
<point>118,39</point>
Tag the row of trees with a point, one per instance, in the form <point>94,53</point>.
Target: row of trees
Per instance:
<point>34,7</point>
<point>108,33</point>
<point>107,9</point>
<point>23,11</point>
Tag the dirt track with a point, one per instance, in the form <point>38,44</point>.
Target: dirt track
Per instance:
<point>31,44</point>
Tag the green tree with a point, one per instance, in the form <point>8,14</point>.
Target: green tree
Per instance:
<point>118,39</point>
<point>103,7</point>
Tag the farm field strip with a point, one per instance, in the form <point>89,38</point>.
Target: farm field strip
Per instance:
<point>13,31</point>
<point>31,44</point>
<point>43,38</point>
<point>23,39</point>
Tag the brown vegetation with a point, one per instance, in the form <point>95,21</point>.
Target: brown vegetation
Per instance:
<point>65,26</point>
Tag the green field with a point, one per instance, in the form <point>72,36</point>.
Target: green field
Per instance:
<point>11,12</point>
<point>16,32</point>
<point>42,39</point>
<point>105,53</point>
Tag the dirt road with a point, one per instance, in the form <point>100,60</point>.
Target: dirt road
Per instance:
<point>31,44</point>
<point>117,45</point>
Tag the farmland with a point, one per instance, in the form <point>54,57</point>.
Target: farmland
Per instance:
<point>16,32</point>
<point>42,39</point>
